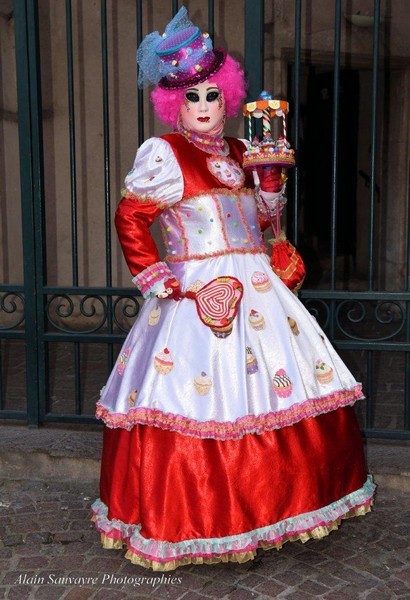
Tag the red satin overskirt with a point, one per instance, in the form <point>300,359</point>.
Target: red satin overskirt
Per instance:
<point>180,487</point>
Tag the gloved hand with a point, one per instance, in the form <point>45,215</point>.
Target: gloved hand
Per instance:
<point>171,289</point>
<point>157,281</point>
<point>270,178</point>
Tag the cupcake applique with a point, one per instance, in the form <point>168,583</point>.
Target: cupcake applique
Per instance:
<point>122,361</point>
<point>203,383</point>
<point>224,330</point>
<point>132,398</point>
<point>261,282</point>
<point>324,373</point>
<point>282,384</point>
<point>226,170</point>
<point>256,320</point>
<point>293,325</point>
<point>154,316</point>
<point>251,362</point>
<point>163,362</point>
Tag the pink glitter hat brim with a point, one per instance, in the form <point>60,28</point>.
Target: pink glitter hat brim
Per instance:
<point>192,78</point>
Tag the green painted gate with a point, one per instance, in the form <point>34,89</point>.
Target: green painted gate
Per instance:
<point>58,341</point>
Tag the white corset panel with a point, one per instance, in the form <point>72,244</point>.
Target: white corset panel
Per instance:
<point>212,224</point>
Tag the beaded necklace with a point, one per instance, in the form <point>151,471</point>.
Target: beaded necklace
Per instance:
<point>213,144</point>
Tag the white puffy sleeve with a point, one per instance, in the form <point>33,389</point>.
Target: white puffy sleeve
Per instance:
<point>156,175</point>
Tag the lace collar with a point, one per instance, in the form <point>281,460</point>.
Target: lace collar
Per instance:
<point>213,144</point>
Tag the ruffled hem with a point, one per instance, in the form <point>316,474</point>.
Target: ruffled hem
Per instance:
<point>230,430</point>
<point>166,556</point>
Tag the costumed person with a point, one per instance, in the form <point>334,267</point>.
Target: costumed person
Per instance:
<point>228,417</point>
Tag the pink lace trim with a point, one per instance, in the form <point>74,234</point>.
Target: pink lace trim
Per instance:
<point>141,198</point>
<point>150,276</point>
<point>254,250</point>
<point>301,526</point>
<point>230,430</point>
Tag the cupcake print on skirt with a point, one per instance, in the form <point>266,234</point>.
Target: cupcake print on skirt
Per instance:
<point>324,373</point>
<point>203,383</point>
<point>122,361</point>
<point>282,384</point>
<point>251,362</point>
<point>132,398</point>
<point>163,362</point>
<point>293,325</point>
<point>261,282</point>
<point>154,316</point>
<point>256,320</point>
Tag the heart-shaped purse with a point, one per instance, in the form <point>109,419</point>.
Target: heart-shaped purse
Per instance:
<point>217,303</point>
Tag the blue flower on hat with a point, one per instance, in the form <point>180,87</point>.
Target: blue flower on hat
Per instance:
<point>147,57</point>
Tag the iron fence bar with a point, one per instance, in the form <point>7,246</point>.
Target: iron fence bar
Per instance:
<point>106,138</point>
<point>406,416</point>
<point>140,93</point>
<point>371,345</point>
<point>11,288</point>
<point>109,291</point>
<point>1,380</point>
<point>13,335</point>
<point>119,338</point>
<point>38,197</point>
<point>14,415</point>
<point>254,47</point>
<point>211,18</point>
<point>72,142</point>
<point>369,391</point>
<point>407,361</point>
<point>73,180</point>
<point>31,182</point>
<point>407,388</point>
<point>335,140</point>
<point>373,142</point>
<point>67,418</point>
<point>87,338</point>
<point>296,119</point>
<point>348,295</point>
<point>387,434</point>
<point>174,7</point>
<point>107,181</point>
<point>335,160</point>
<point>77,378</point>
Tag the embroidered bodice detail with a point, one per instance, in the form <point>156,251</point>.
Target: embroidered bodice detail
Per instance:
<point>212,224</point>
<point>217,214</point>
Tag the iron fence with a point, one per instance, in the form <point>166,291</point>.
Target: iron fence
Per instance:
<point>58,342</point>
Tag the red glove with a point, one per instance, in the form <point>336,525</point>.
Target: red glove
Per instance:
<point>172,289</point>
<point>270,178</point>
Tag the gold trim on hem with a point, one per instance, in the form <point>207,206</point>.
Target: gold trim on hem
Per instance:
<point>240,557</point>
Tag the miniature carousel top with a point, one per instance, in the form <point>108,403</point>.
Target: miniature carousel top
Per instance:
<point>267,152</point>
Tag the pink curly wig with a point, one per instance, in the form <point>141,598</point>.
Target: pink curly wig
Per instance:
<point>230,79</point>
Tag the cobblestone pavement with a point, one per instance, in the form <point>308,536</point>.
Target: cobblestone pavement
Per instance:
<point>46,539</point>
